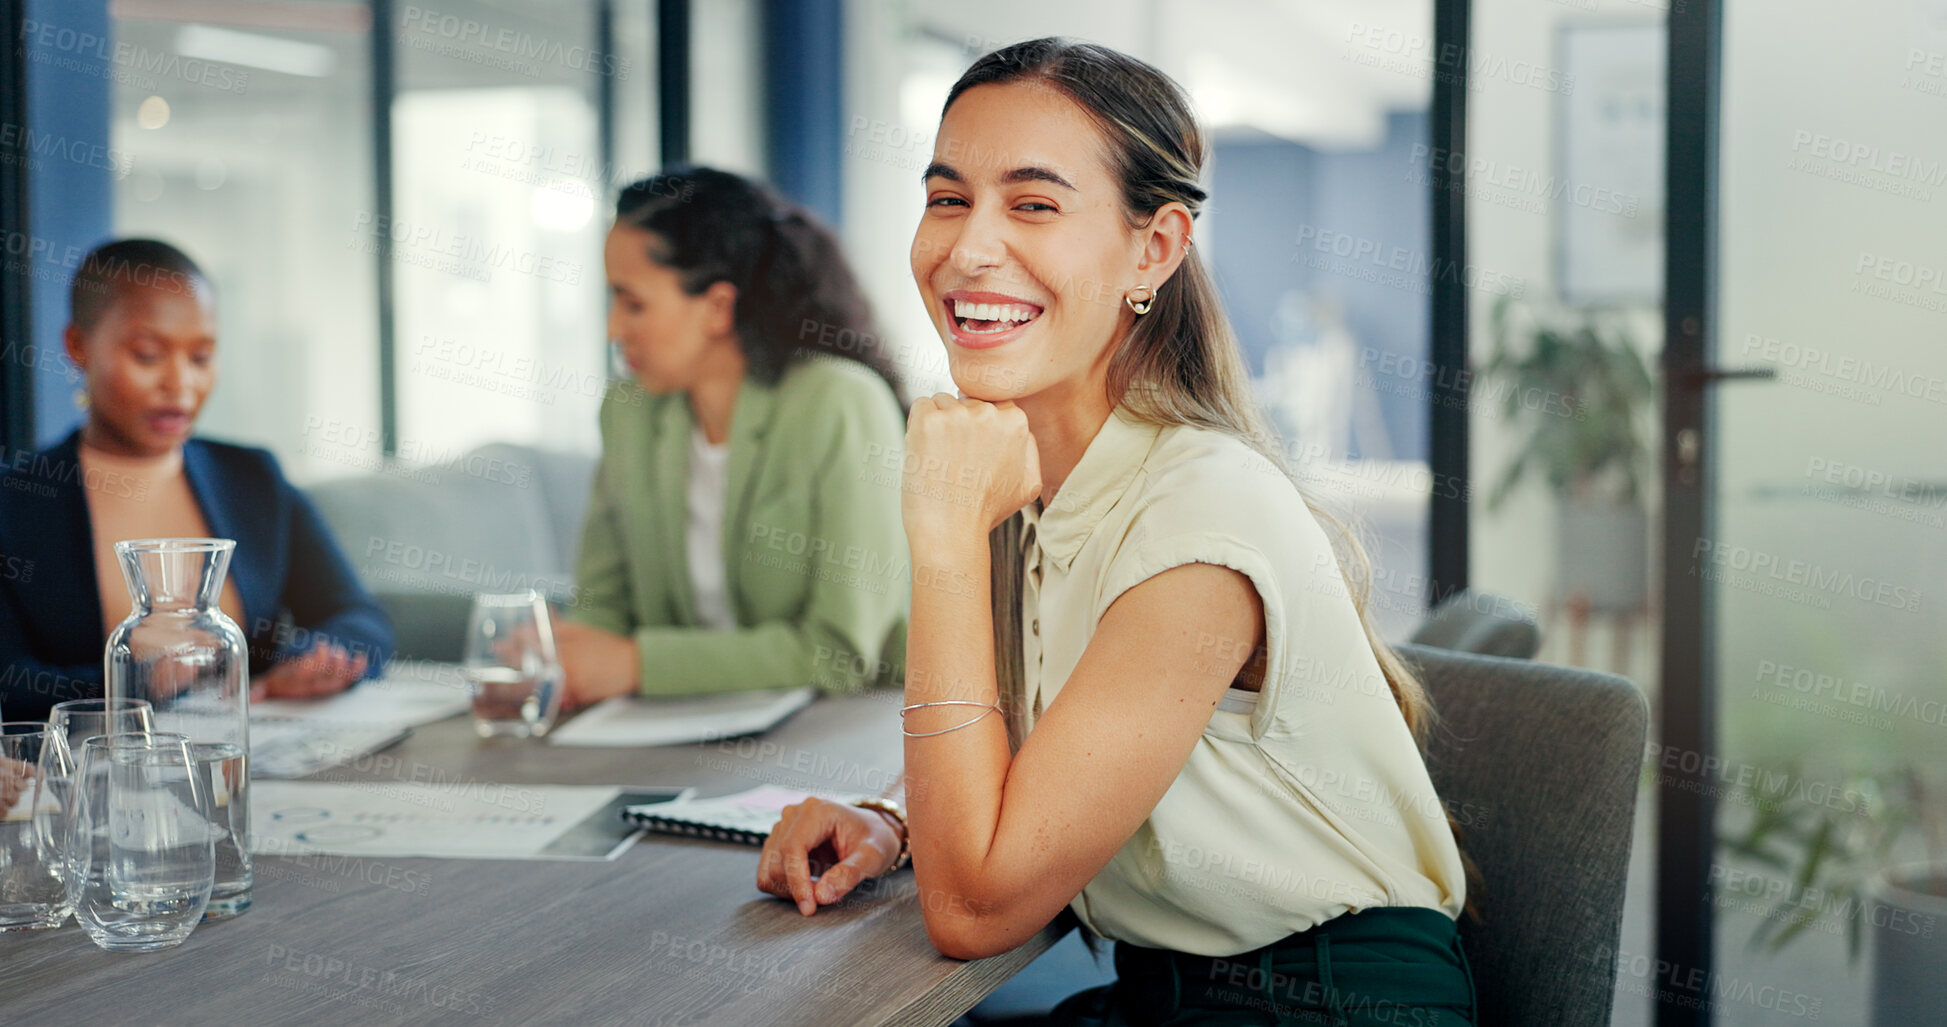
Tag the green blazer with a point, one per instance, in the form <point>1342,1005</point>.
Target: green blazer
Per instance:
<point>814,552</point>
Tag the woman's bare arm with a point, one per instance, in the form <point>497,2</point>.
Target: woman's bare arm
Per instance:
<point>1000,845</point>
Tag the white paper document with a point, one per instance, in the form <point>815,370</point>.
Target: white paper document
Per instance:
<point>295,737</point>
<point>458,819</point>
<point>628,721</point>
<point>408,695</point>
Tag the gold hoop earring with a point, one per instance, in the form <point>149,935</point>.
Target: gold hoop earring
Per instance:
<point>1141,307</point>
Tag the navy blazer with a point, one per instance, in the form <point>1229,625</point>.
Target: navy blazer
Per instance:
<point>296,587</point>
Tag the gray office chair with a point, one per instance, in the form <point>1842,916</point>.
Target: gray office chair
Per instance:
<point>1481,622</point>
<point>498,519</point>
<point>1539,765</point>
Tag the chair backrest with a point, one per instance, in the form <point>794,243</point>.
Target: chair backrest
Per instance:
<point>1481,622</point>
<point>1540,766</point>
<point>425,540</point>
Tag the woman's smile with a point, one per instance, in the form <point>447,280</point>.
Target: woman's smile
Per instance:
<point>983,320</point>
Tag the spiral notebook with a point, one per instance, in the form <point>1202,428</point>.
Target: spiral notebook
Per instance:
<point>745,817</point>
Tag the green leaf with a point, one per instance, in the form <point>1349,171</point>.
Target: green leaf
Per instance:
<point>1798,921</point>
<point>1815,852</point>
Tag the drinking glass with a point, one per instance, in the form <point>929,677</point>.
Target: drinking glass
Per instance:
<point>68,725</point>
<point>511,665</point>
<point>141,844</point>
<point>77,720</point>
<point>32,895</point>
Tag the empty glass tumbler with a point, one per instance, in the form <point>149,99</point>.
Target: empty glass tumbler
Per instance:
<point>181,653</point>
<point>141,843</point>
<point>77,720</point>
<point>32,893</point>
<point>68,725</point>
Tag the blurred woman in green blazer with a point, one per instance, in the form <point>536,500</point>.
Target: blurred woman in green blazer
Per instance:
<point>744,530</point>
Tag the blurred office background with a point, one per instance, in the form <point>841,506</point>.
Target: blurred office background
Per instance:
<point>403,205</point>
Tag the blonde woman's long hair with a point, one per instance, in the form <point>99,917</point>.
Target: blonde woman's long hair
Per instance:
<point>1180,364</point>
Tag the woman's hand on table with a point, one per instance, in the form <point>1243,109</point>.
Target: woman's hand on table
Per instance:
<point>326,670</point>
<point>596,664</point>
<point>853,844</point>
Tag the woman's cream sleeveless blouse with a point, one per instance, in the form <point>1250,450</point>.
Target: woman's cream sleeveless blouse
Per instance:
<point>1299,803</point>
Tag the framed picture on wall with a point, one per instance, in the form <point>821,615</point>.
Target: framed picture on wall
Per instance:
<point>1609,164</point>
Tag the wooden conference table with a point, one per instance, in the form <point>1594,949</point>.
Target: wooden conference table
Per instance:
<point>673,932</point>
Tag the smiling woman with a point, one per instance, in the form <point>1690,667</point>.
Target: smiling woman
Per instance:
<point>1160,706</point>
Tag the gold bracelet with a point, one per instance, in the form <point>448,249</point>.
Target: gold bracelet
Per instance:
<point>893,810</point>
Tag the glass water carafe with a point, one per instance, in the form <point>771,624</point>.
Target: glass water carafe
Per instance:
<point>179,651</point>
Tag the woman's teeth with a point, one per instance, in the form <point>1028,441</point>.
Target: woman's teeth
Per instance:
<point>992,317</point>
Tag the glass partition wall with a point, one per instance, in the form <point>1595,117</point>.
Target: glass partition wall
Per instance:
<point>499,172</point>
<point>501,197</point>
<point>261,171</point>
<point>1824,493</point>
<point>1563,167</point>
<point>1830,540</point>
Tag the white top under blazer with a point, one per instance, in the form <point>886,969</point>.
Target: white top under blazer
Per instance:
<point>1304,801</point>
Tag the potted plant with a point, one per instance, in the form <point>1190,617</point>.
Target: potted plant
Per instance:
<point>1577,388</point>
<point>1834,854</point>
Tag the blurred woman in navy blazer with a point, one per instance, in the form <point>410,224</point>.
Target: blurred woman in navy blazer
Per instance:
<point>142,330</point>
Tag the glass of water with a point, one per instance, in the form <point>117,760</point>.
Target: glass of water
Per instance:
<point>223,769</point>
<point>511,665</point>
<point>141,841</point>
<point>68,725</point>
<point>32,894</point>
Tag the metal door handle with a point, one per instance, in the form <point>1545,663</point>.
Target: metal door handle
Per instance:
<point>1712,375</point>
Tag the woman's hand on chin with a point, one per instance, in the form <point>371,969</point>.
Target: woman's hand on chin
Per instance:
<point>970,465</point>
<point>820,850</point>
<point>326,670</point>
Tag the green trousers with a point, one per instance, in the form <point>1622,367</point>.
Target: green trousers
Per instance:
<point>1391,967</point>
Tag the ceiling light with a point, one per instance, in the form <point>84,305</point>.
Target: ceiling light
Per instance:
<point>153,112</point>
<point>255,50</point>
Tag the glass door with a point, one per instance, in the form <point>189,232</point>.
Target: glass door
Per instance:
<point>1564,193</point>
<point>1825,552</point>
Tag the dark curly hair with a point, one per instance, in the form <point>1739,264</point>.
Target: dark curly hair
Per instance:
<point>796,294</point>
